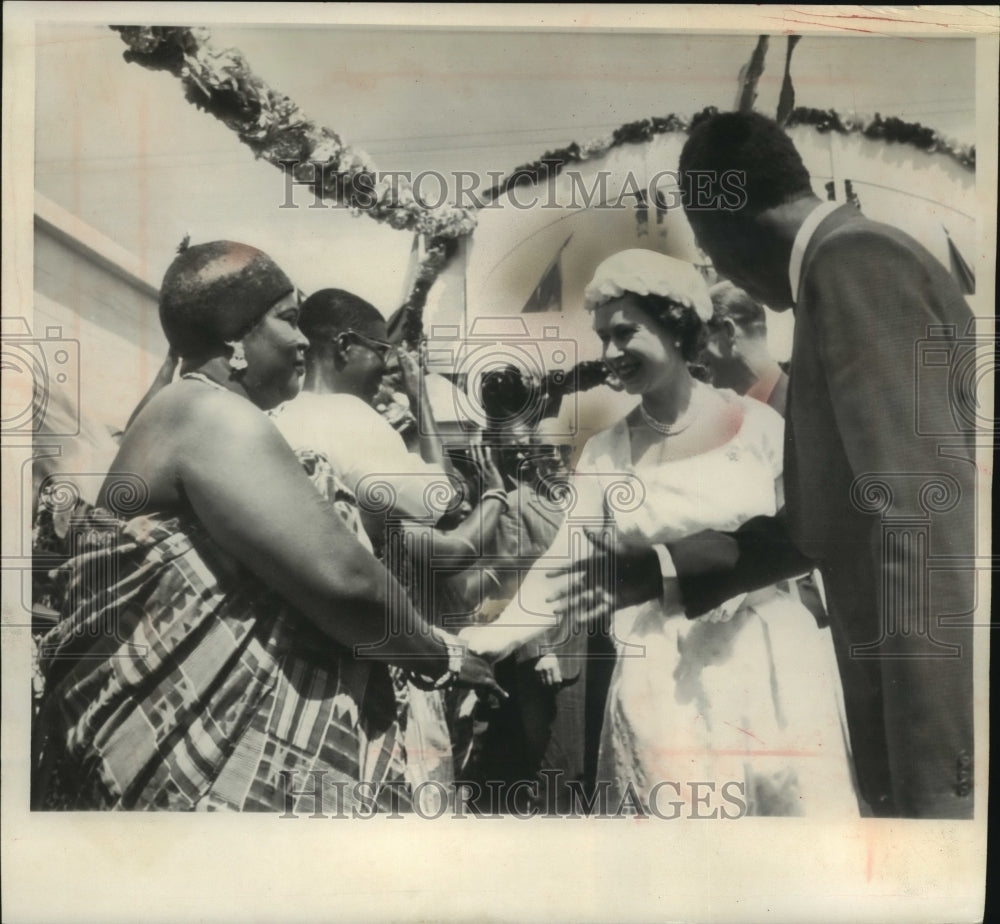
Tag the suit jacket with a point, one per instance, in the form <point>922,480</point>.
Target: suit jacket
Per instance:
<point>879,491</point>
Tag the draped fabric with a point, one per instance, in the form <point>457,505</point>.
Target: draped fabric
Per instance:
<point>422,715</point>
<point>176,680</point>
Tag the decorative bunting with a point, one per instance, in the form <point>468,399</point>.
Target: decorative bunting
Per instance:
<point>749,76</point>
<point>552,163</point>
<point>891,130</point>
<point>786,99</point>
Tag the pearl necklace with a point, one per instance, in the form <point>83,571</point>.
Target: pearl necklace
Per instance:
<point>671,429</point>
<point>201,377</point>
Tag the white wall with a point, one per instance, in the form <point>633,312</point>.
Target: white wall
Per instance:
<point>94,293</point>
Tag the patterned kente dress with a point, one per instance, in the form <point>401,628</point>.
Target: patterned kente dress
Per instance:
<point>176,680</point>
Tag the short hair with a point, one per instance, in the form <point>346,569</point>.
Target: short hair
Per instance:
<point>329,312</point>
<point>679,321</point>
<point>753,145</point>
<point>216,292</point>
<point>732,302</point>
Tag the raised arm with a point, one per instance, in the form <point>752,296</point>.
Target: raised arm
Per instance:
<point>540,605</point>
<point>415,386</point>
<point>532,611</point>
<point>470,538</point>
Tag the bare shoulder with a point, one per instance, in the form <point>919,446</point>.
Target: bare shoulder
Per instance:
<point>189,415</point>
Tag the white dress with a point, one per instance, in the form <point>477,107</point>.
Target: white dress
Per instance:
<point>747,695</point>
<point>747,698</point>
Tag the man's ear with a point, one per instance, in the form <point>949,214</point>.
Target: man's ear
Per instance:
<point>725,336</point>
<point>341,349</point>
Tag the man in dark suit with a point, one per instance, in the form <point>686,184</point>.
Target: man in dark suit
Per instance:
<point>879,466</point>
<point>738,356</point>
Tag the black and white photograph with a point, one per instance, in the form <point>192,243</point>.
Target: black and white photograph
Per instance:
<point>498,463</point>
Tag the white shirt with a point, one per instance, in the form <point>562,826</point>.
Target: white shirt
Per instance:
<point>801,243</point>
<point>361,444</point>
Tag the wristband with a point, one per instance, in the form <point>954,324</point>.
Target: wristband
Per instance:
<point>667,567</point>
<point>456,655</point>
<point>496,494</point>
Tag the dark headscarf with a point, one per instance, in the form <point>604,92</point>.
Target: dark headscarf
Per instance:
<point>216,292</point>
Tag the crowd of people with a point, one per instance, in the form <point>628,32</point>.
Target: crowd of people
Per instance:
<point>303,605</point>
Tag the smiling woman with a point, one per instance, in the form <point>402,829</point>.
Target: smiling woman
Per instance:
<point>214,602</point>
<point>649,314</point>
<point>686,696</point>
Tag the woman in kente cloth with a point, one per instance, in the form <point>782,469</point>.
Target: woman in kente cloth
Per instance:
<point>225,640</point>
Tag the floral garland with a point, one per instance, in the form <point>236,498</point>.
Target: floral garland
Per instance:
<point>275,129</point>
<point>439,251</point>
<point>891,130</point>
<point>552,163</point>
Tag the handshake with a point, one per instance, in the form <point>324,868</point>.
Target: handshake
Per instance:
<point>616,573</point>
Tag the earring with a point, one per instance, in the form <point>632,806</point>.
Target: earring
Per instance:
<point>238,361</point>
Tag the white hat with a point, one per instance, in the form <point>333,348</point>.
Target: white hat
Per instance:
<point>646,272</point>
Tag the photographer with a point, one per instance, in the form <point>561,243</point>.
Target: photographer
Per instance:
<point>539,734</point>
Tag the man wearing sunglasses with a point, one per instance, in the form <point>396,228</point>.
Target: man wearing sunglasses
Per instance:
<point>348,356</point>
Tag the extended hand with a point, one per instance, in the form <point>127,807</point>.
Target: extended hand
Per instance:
<point>490,478</point>
<point>477,674</point>
<point>617,573</point>
<point>410,373</point>
<point>547,670</point>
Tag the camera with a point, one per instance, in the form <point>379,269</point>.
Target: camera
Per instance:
<point>41,381</point>
<point>951,372</point>
<point>496,346</point>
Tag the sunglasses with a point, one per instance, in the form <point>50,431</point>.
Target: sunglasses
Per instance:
<point>381,347</point>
